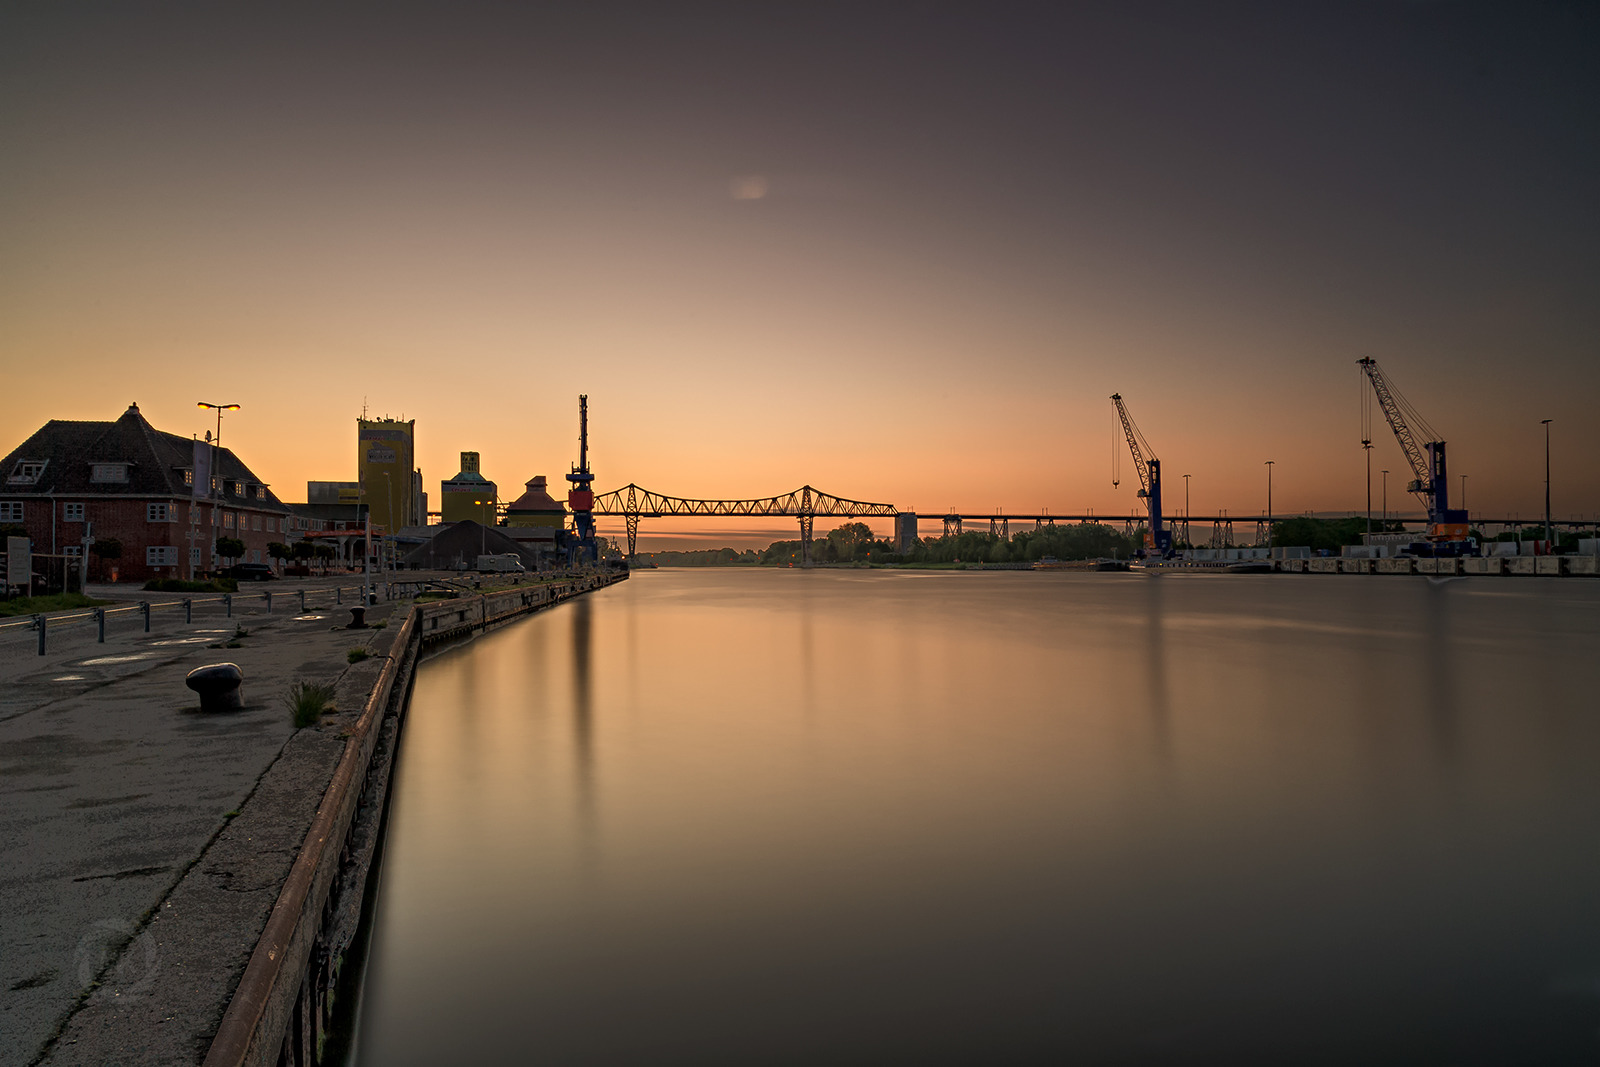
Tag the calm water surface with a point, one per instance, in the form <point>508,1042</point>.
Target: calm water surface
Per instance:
<point>734,817</point>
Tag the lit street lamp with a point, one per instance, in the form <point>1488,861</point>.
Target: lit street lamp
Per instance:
<point>216,477</point>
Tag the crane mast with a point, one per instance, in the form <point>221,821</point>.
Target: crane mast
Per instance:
<point>1431,482</point>
<point>1157,539</point>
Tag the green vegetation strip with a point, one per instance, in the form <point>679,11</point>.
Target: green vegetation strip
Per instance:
<point>38,605</point>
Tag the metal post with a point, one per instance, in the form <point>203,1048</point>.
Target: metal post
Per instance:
<point>188,611</point>
<point>302,601</point>
<point>100,625</point>
<point>227,602</point>
<point>269,602</point>
<point>144,609</point>
<point>1548,535</point>
<point>39,624</point>
<point>1269,506</point>
<point>338,594</point>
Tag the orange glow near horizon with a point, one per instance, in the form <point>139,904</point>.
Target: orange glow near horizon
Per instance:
<point>924,300</point>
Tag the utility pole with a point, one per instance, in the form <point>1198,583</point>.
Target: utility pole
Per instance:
<point>1269,506</point>
<point>1385,500</point>
<point>1186,535</point>
<point>216,475</point>
<point>1548,533</point>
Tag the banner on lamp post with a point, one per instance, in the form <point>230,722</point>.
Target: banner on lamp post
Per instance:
<point>202,469</point>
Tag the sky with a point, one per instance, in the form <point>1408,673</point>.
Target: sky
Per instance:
<point>899,252</point>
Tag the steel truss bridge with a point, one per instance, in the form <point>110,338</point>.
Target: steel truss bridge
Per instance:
<point>634,502</point>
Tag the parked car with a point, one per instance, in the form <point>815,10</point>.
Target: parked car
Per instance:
<point>250,572</point>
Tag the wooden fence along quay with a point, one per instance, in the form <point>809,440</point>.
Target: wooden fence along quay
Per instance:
<point>281,1008</point>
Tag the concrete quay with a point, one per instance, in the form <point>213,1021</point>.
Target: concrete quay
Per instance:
<point>1526,566</point>
<point>148,845</point>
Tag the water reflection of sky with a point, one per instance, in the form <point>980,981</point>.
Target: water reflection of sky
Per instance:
<point>723,817</point>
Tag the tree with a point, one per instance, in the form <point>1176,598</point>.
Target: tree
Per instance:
<point>279,551</point>
<point>323,554</point>
<point>230,547</point>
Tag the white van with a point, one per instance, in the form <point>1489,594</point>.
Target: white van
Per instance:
<point>506,563</point>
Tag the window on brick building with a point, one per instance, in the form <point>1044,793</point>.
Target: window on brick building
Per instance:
<point>188,477</point>
<point>27,471</point>
<point>108,472</point>
<point>194,555</point>
<point>194,515</point>
<point>161,556</point>
<point>10,511</point>
<point>73,551</point>
<point>255,522</point>
<point>159,513</point>
<point>72,512</point>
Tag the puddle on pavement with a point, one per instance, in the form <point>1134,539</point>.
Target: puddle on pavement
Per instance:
<point>101,660</point>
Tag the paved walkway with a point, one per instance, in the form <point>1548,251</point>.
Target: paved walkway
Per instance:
<point>112,785</point>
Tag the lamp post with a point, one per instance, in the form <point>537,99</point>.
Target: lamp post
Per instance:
<point>1366,446</point>
<point>1269,505</point>
<point>1464,494</point>
<point>1385,500</point>
<point>1549,535</point>
<point>216,477</point>
<point>1186,511</point>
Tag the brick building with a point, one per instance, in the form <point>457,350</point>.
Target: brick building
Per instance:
<point>135,484</point>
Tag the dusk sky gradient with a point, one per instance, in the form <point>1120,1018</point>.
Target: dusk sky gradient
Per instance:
<point>901,252</point>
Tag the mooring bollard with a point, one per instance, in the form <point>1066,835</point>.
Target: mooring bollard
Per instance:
<point>188,612</point>
<point>100,624</point>
<point>358,619</point>
<point>38,623</point>
<point>144,608</point>
<point>218,685</point>
<point>227,602</point>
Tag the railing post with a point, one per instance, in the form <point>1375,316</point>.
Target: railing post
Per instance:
<point>302,601</point>
<point>269,602</point>
<point>227,602</point>
<point>39,624</point>
<point>338,594</point>
<point>144,609</point>
<point>100,625</point>
<point>188,611</point>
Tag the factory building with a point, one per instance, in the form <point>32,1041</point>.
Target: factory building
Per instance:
<point>536,519</point>
<point>469,495</point>
<point>391,486</point>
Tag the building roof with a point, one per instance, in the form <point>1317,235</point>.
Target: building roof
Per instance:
<point>468,476</point>
<point>465,541</point>
<point>535,500</point>
<point>157,462</point>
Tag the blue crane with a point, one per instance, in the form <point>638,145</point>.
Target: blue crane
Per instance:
<point>1157,539</point>
<point>1430,483</point>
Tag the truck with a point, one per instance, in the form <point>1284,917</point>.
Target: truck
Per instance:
<point>504,563</point>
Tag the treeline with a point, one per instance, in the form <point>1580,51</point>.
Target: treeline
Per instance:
<point>853,543</point>
<point>706,557</point>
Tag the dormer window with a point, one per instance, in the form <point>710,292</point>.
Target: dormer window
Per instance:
<point>230,487</point>
<point>27,471</point>
<point>112,473</point>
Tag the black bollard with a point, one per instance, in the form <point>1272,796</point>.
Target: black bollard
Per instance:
<point>358,619</point>
<point>219,686</point>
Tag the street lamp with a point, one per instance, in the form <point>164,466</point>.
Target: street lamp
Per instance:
<point>1269,505</point>
<point>1464,493</point>
<point>1385,500</point>
<point>1186,510</point>
<point>1366,446</point>
<point>216,477</point>
<point>1549,536</point>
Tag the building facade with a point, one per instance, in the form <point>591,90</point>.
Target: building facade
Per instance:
<point>469,495</point>
<point>386,470</point>
<point>72,484</point>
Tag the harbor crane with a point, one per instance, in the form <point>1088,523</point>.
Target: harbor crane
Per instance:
<point>1157,538</point>
<point>1431,484</point>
